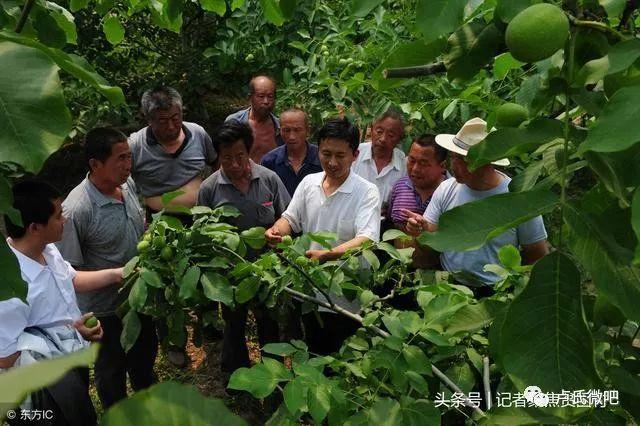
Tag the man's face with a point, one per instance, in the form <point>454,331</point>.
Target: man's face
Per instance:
<point>117,167</point>
<point>423,168</point>
<point>385,135</point>
<point>336,157</point>
<point>293,128</point>
<point>263,98</point>
<point>459,168</point>
<point>52,230</point>
<point>166,123</point>
<point>234,160</point>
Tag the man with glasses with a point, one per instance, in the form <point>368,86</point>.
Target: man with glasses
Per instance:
<point>259,116</point>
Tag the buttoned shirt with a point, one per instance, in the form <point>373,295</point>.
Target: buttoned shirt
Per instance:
<point>351,211</point>
<point>365,166</point>
<point>50,296</point>
<point>278,161</point>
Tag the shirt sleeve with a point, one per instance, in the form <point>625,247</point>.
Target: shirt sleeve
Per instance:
<point>293,213</point>
<point>281,197</point>
<point>70,245</point>
<point>14,318</point>
<point>531,231</point>
<point>434,208</point>
<point>210,153</point>
<point>367,221</point>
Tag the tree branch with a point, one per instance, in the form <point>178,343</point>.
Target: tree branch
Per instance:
<point>417,71</point>
<point>485,379</point>
<point>308,278</point>
<point>598,26</point>
<point>24,15</point>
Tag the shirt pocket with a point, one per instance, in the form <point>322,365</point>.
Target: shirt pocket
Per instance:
<point>346,228</point>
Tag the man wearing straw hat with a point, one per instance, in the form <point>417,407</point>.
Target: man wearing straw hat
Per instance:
<point>467,186</point>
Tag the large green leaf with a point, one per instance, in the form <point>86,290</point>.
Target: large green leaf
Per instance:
<point>408,54</point>
<point>470,48</point>
<point>469,226</point>
<point>361,8</point>
<point>138,294</point>
<point>113,30</point>
<point>613,8</point>
<point>261,379</point>
<point>47,28</point>
<point>6,202</point>
<point>218,7</point>
<point>419,413</point>
<point>620,57</point>
<point>170,403</point>
<point>34,119</point>
<point>436,18</point>
<point>272,12</point>
<point>12,283</point>
<point>64,19</point>
<point>17,383</point>
<point>618,127</point>
<point>217,288</point>
<point>618,282</point>
<point>545,339</point>
<point>131,327</point>
<point>503,64</point>
<point>474,317</point>
<point>511,141</point>
<point>74,65</point>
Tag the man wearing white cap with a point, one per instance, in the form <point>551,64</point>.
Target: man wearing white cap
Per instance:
<point>467,186</point>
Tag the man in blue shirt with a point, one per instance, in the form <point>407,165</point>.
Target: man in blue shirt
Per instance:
<point>297,157</point>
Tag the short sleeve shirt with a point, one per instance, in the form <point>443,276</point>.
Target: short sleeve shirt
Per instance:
<point>365,166</point>
<point>156,171</point>
<point>451,194</point>
<point>100,232</point>
<point>353,210</point>
<point>278,161</point>
<point>262,205</point>
<point>50,296</point>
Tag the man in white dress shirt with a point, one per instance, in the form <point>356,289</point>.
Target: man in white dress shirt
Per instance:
<point>380,161</point>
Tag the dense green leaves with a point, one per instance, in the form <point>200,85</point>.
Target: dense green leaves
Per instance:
<point>436,18</point>
<point>620,57</point>
<point>362,8</point>
<point>216,6</point>
<point>545,339</point>
<point>170,402</point>
<point>469,226</point>
<point>35,119</point>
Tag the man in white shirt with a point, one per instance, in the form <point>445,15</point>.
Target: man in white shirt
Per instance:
<point>336,200</point>
<point>380,161</point>
<point>52,306</point>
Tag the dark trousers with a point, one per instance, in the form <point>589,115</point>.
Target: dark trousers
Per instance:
<point>234,347</point>
<point>113,363</point>
<point>327,337</point>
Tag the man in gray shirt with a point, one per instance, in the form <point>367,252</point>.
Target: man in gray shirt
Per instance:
<point>261,197</point>
<point>104,223</point>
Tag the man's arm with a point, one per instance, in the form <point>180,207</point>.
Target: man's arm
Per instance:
<point>338,251</point>
<point>279,229</point>
<point>94,280</point>
<point>531,253</point>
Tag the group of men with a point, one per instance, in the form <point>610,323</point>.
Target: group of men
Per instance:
<point>270,171</point>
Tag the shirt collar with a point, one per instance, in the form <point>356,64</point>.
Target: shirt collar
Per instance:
<point>347,185</point>
<point>151,138</point>
<point>310,158</point>
<point>29,267</point>
<point>98,197</point>
<point>397,159</point>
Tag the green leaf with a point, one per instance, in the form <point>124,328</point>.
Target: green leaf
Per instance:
<point>509,256</point>
<point>362,8</point>
<point>288,7</point>
<point>385,412</point>
<point>76,5</point>
<point>392,234</point>
<point>485,219</point>
<point>74,65</point>
<point>435,18</point>
<point>254,237</point>
<point>319,402</point>
<point>218,7</point>
<point>620,57</point>
<point>35,118</point>
<point>6,202</point>
<point>217,288</point>
<point>545,338</point>
<point>167,403</point>
<point>259,380</point>
<point>113,30</point>
<point>471,48</point>
<point>282,349</point>
<point>372,259</point>
<point>503,64</point>
<point>417,382</point>
<point>624,381</point>
<point>272,12</point>
<point>519,416</point>
<point>130,330</point>
<point>64,19</point>
<point>247,288</point>
<point>395,326</point>
<point>506,10</point>
<point>635,223</point>
<point>617,281</point>
<point>406,55</point>
<point>512,141</point>
<point>12,283</point>
<point>189,283</point>
<point>420,412</point>
<point>48,30</point>
<point>416,359</point>
<point>613,8</point>
<point>130,267</point>
<point>152,278</point>
<point>295,395</point>
<point>617,127</point>
<point>17,383</point>
<point>473,317</point>
<point>138,294</point>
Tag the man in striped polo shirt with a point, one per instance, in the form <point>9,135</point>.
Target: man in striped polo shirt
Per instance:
<point>425,171</point>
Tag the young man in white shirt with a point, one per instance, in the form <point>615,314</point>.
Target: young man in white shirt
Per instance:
<point>335,200</point>
<point>52,309</point>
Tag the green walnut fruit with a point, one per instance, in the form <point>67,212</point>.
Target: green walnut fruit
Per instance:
<point>537,32</point>
<point>287,240</point>
<point>91,322</point>
<point>249,57</point>
<point>147,237</point>
<point>166,253</point>
<point>510,115</point>
<point>302,261</point>
<point>343,61</point>
<point>158,241</point>
<point>143,246</point>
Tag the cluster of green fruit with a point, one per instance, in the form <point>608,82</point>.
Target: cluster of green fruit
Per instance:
<point>157,243</point>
